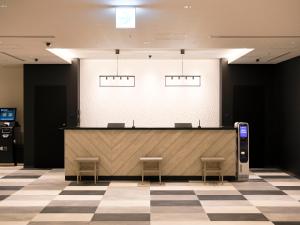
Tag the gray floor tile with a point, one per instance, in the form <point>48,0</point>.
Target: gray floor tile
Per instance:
<point>262,192</point>
<point>83,192</point>
<point>237,217</point>
<point>120,223</point>
<point>69,209</point>
<point>288,187</point>
<point>5,188</point>
<point>172,192</point>
<point>175,203</point>
<point>121,217</point>
<point>221,197</point>
<point>25,209</point>
<point>3,197</point>
<point>278,209</point>
<point>287,223</point>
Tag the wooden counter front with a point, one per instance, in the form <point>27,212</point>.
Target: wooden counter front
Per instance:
<point>119,150</point>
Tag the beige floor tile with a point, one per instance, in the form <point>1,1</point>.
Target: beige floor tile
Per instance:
<point>279,209</point>
<point>230,209</point>
<point>274,203</point>
<point>16,216</point>
<point>177,209</point>
<point>124,203</point>
<point>225,203</point>
<point>7,192</point>
<point>271,174</point>
<point>14,222</point>
<point>31,197</point>
<point>63,217</point>
<point>79,197</point>
<point>37,192</point>
<point>179,217</point>
<point>118,209</point>
<point>287,183</point>
<point>123,184</point>
<point>292,192</point>
<point>20,203</point>
<point>283,217</point>
<point>85,188</point>
<point>270,197</point>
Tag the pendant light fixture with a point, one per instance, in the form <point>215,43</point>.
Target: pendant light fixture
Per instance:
<point>117,80</point>
<point>182,80</point>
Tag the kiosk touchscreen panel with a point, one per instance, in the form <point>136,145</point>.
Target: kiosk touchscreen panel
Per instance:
<point>243,132</point>
<point>7,114</point>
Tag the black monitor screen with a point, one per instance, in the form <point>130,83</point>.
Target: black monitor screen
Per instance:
<point>7,114</point>
<point>243,131</point>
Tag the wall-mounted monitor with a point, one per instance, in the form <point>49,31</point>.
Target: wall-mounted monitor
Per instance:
<point>8,114</point>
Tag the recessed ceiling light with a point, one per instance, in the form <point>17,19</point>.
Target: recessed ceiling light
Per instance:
<point>125,17</point>
<point>187,6</point>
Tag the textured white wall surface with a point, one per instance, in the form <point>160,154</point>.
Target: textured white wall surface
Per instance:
<point>149,103</point>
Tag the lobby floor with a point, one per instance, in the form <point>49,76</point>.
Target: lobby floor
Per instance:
<point>42,197</point>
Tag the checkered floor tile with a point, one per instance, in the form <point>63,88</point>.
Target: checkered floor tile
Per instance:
<point>43,197</point>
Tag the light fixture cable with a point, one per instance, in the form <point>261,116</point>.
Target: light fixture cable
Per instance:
<point>182,53</point>
<point>117,53</point>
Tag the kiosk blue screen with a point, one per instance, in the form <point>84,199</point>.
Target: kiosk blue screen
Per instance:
<point>243,132</point>
<point>7,114</point>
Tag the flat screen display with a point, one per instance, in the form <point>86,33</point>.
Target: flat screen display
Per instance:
<point>7,114</point>
<point>243,131</point>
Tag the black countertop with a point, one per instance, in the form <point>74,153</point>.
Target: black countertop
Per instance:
<point>149,128</point>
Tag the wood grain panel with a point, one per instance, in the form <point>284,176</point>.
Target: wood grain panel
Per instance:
<point>119,150</point>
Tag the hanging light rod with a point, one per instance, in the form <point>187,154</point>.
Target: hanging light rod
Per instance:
<point>182,80</point>
<point>117,80</point>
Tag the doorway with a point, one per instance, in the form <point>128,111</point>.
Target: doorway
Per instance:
<point>49,116</point>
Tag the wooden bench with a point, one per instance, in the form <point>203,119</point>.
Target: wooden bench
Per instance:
<point>153,160</point>
<point>87,161</point>
<point>218,169</point>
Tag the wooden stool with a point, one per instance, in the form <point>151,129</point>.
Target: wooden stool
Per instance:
<point>87,160</point>
<point>214,170</point>
<point>146,160</point>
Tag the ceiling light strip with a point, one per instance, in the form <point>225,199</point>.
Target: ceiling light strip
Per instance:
<point>116,81</point>
<point>182,81</point>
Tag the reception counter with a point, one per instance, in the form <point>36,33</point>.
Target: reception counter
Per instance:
<point>119,150</point>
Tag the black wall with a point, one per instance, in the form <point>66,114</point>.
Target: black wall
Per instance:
<point>265,78</point>
<point>289,80</point>
<point>47,75</point>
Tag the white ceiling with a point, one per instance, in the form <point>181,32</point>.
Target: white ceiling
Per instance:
<point>271,27</point>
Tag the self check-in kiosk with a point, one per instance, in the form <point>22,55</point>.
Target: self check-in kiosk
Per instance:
<point>242,150</point>
<point>7,136</point>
